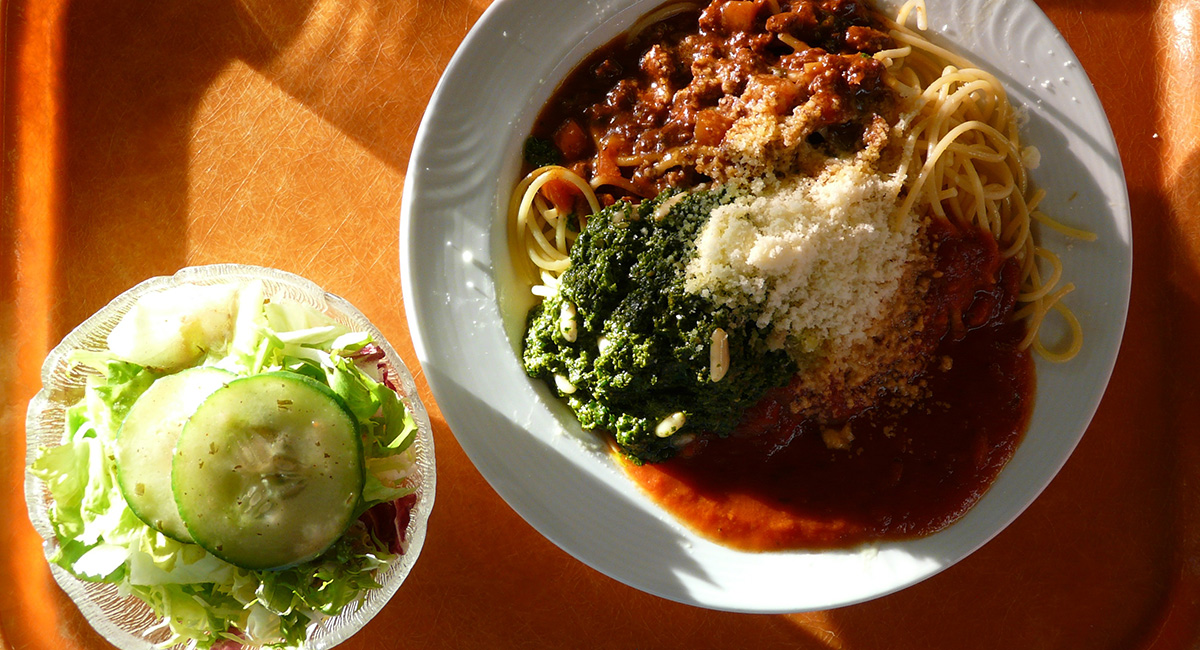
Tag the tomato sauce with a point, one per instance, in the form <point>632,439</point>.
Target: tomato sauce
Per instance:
<point>775,484</point>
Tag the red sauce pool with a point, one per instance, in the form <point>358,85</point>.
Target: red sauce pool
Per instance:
<point>905,476</point>
<point>773,484</point>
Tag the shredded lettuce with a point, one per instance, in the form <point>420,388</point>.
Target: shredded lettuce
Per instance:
<point>199,596</point>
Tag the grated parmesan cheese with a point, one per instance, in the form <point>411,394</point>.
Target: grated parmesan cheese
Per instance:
<point>814,259</point>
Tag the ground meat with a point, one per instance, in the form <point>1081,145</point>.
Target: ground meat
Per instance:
<point>607,69</point>
<point>659,64</point>
<point>683,86</point>
<point>868,39</point>
<point>799,23</point>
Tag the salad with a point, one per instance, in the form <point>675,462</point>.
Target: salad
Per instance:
<point>240,463</point>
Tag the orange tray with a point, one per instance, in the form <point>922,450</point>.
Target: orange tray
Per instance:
<point>141,136</point>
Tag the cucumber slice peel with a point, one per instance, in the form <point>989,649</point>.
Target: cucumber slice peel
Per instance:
<point>268,471</point>
<point>145,445</point>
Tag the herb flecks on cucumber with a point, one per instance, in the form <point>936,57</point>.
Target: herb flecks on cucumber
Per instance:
<point>268,471</point>
<point>146,441</point>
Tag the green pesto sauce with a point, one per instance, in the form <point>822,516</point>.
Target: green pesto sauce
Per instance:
<point>626,282</point>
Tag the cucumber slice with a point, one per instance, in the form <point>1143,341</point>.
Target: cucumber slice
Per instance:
<point>268,471</point>
<point>145,445</point>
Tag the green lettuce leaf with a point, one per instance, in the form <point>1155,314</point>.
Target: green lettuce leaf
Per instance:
<point>201,597</point>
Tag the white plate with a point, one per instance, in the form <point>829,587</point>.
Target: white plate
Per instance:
<point>456,274</point>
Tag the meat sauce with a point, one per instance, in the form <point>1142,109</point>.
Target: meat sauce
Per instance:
<point>776,484</point>
<point>686,79</point>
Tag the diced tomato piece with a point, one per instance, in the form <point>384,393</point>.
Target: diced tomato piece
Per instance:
<point>868,39</point>
<point>739,15</point>
<point>571,140</point>
<point>562,194</point>
<point>606,164</point>
<point>711,127</point>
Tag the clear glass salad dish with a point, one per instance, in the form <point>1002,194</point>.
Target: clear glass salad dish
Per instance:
<point>124,619</point>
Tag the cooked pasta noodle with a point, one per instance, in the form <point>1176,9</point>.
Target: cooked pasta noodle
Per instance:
<point>964,145</point>
<point>541,231</point>
<point>962,158</point>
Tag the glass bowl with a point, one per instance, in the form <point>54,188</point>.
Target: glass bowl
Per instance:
<point>126,621</point>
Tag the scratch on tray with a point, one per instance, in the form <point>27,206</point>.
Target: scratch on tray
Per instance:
<point>326,241</point>
<point>223,214</point>
<point>262,154</point>
<point>211,226</point>
<point>408,54</point>
<point>253,168</point>
<point>383,250</point>
<point>430,53</point>
<point>379,54</point>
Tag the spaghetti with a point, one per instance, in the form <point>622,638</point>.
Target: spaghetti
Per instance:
<point>962,159</point>
<point>541,228</point>
<point>968,167</point>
